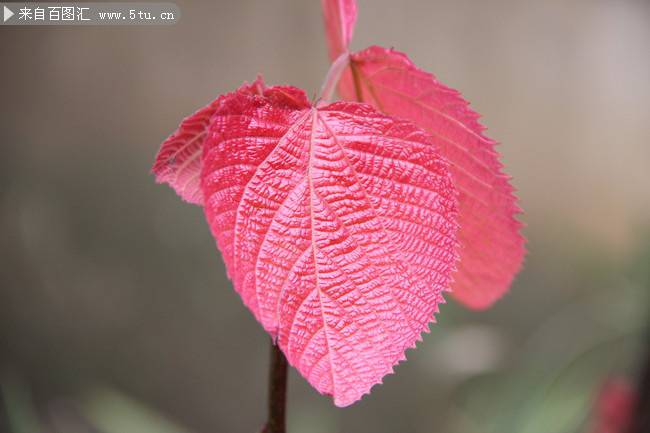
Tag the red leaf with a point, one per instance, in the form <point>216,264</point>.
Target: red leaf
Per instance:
<point>337,227</point>
<point>492,249</point>
<point>340,17</point>
<point>178,162</point>
<point>615,405</point>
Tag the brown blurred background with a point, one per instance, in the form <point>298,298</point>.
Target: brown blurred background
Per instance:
<point>115,312</point>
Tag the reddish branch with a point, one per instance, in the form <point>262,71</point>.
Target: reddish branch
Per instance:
<point>277,401</point>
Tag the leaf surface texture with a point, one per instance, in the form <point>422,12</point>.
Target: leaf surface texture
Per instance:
<point>337,226</point>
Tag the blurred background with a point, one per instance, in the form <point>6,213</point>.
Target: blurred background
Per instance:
<point>115,312</point>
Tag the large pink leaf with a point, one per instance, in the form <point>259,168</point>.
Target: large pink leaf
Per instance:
<point>492,248</point>
<point>337,227</point>
<point>340,17</point>
<point>178,162</point>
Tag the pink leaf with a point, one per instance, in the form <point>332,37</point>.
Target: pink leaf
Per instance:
<point>340,17</point>
<point>337,227</point>
<point>178,162</point>
<point>615,405</point>
<point>492,249</point>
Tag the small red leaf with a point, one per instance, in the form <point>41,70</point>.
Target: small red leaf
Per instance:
<point>337,227</point>
<point>340,17</point>
<point>492,249</point>
<point>178,162</point>
<point>615,406</point>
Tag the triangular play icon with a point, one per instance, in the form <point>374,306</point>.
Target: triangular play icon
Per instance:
<point>7,14</point>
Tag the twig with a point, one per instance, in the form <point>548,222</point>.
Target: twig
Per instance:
<point>277,392</point>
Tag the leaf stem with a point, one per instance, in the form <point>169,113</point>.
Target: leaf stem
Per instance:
<point>333,76</point>
<point>277,394</point>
